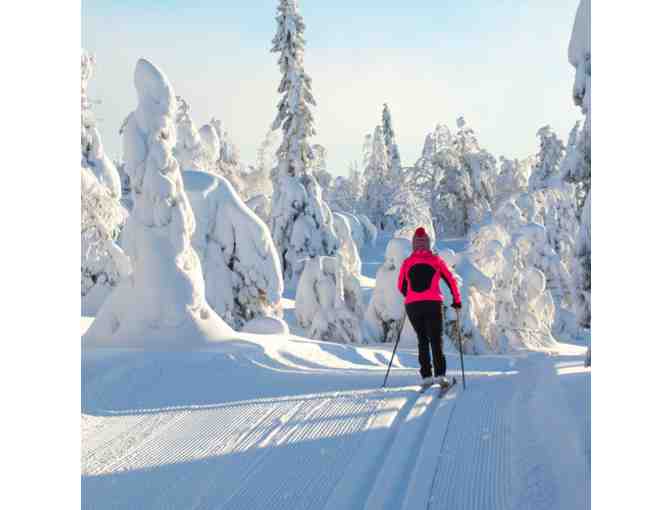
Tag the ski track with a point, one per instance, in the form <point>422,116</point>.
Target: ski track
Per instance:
<point>473,471</point>
<point>510,441</point>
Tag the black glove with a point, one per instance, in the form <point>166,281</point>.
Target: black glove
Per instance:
<point>457,306</point>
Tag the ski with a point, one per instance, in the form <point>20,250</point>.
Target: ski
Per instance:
<point>445,389</point>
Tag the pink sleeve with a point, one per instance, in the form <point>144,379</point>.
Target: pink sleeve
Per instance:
<point>450,280</point>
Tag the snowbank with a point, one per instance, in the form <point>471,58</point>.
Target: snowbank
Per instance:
<point>266,326</point>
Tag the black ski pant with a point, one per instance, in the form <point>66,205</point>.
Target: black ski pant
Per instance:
<point>427,320</point>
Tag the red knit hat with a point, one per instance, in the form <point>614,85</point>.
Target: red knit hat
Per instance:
<point>420,240</point>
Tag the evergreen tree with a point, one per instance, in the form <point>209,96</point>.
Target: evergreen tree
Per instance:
<point>93,154</point>
<point>378,189</point>
<point>393,158</point>
<point>546,171</point>
<point>301,223</point>
<point>577,168</point>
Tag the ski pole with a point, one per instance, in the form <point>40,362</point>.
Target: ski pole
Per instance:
<point>401,328</point>
<point>459,336</point>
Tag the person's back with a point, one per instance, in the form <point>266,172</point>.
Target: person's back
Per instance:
<point>420,282</point>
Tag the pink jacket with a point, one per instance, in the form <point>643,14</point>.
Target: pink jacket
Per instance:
<point>420,276</point>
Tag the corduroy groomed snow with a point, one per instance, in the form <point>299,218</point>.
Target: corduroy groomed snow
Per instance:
<point>420,240</point>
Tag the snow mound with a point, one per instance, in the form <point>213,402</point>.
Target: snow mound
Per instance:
<point>266,326</point>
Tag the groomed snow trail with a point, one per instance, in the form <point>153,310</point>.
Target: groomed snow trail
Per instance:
<point>155,435</point>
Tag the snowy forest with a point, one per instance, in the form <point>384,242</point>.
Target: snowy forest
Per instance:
<point>181,235</point>
<point>246,339</point>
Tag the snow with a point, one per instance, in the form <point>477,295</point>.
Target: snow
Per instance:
<point>385,312</point>
<point>348,250</point>
<point>274,420</point>
<point>239,342</point>
<point>94,157</point>
<point>162,304</point>
<point>324,307</point>
<point>241,267</point>
<point>103,263</point>
<point>266,326</point>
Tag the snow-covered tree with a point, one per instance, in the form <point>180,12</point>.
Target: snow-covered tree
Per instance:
<point>409,210</point>
<point>261,206</point>
<point>260,182</point>
<point>466,189</point>
<point>385,312</point>
<point>345,193</point>
<point>378,188</point>
<point>241,267</point>
<point>425,176</point>
<point>393,157</point>
<point>322,307</point>
<point>524,309</point>
<point>512,180</point>
<point>370,230</point>
<point>478,306</point>
<point>348,250</point>
<point>189,151</point>
<point>163,303</point>
<point>93,153</point>
<point>228,163</point>
<point>577,167</point>
<point>319,167</point>
<point>301,222</point>
<point>546,171</point>
<point>104,264</point>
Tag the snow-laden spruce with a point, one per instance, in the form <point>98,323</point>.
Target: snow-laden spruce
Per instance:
<point>425,176</point>
<point>93,153</point>
<point>189,149</point>
<point>301,222</point>
<point>408,211</point>
<point>386,309</point>
<point>456,177</point>
<point>163,303</point>
<point>323,307</point>
<point>357,229</point>
<point>512,179</point>
<point>370,230</point>
<point>389,137</point>
<point>348,251</point>
<point>546,171</point>
<point>241,268</point>
<point>104,264</point>
<point>345,194</point>
<point>227,162</point>
<point>514,253</point>
<point>378,187</point>
<point>261,206</point>
<point>477,316</point>
<point>577,167</point>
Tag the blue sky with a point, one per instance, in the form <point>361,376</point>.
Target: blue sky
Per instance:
<point>501,64</point>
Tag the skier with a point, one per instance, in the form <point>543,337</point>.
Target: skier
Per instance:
<point>419,279</point>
